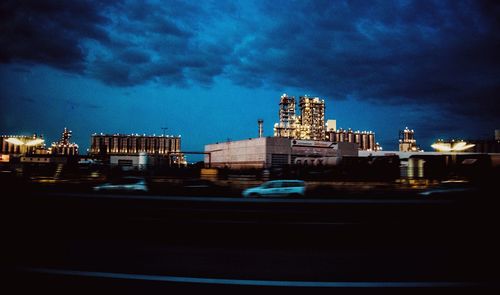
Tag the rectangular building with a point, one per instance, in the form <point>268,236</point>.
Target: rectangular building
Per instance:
<point>20,145</point>
<point>120,144</point>
<point>267,152</point>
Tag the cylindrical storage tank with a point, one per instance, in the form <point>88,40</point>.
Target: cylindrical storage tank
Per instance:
<point>364,137</point>
<point>371,141</point>
<point>350,136</point>
<point>342,136</point>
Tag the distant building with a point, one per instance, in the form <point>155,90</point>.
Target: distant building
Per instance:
<point>310,124</point>
<point>483,146</point>
<point>168,147</point>
<point>64,147</point>
<point>331,125</point>
<point>21,145</point>
<point>312,118</point>
<point>452,146</point>
<point>364,139</point>
<point>288,118</point>
<point>407,141</point>
<point>268,152</point>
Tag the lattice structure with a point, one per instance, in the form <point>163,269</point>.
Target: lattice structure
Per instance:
<point>312,118</point>
<point>64,146</point>
<point>287,125</point>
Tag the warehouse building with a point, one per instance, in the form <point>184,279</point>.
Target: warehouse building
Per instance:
<point>135,149</point>
<point>267,152</point>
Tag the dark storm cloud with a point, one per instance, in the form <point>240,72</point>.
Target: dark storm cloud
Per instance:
<point>125,43</point>
<point>441,53</point>
<point>49,32</point>
<point>422,52</point>
<point>134,56</point>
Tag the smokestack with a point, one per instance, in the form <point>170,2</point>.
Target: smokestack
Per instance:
<point>261,127</point>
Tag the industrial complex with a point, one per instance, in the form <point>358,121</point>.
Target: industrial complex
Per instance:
<point>310,124</point>
<point>301,137</point>
<point>135,149</point>
<point>267,152</point>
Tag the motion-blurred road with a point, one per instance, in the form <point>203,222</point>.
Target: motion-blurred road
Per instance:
<point>131,243</point>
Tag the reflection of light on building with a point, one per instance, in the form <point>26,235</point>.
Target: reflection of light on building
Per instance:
<point>415,168</point>
<point>64,146</point>
<point>407,141</point>
<point>451,146</point>
<point>4,158</point>
<point>19,144</point>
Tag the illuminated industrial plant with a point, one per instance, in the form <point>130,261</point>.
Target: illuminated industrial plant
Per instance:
<point>364,139</point>
<point>310,124</point>
<point>452,146</point>
<point>20,144</point>
<point>64,146</point>
<point>133,145</point>
<point>287,125</point>
<point>312,118</point>
<point>407,141</point>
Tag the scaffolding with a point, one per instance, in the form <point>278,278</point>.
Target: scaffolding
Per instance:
<point>288,120</point>
<point>312,113</point>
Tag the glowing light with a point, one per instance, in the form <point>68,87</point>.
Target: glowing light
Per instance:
<point>35,142</point>
<point>452,146</point>
<point>15,141</point>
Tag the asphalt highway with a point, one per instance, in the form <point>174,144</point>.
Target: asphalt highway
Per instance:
<point>131,243</point>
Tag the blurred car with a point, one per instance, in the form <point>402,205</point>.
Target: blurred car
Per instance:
<point>277,188</point>
<point>134,184</point>
<point>451,188</point>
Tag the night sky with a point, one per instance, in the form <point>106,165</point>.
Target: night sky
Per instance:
<point>209,69</point>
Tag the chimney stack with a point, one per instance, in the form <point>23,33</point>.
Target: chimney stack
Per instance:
<point>261,127</point>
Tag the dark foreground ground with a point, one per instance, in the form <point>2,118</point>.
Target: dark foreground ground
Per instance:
<point>86,243</point>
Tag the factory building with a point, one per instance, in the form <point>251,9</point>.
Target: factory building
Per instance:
<point>268,152</point>
<point>310,124</point>
<point>121,145</point>
<point>287,125</point>
<point>20,145</point>
<point>452,146</point>
<point>312,118</point>
<point>407,141</point>
<point>485,146</point>
<point>364,139</point>
<point>64,147</point>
